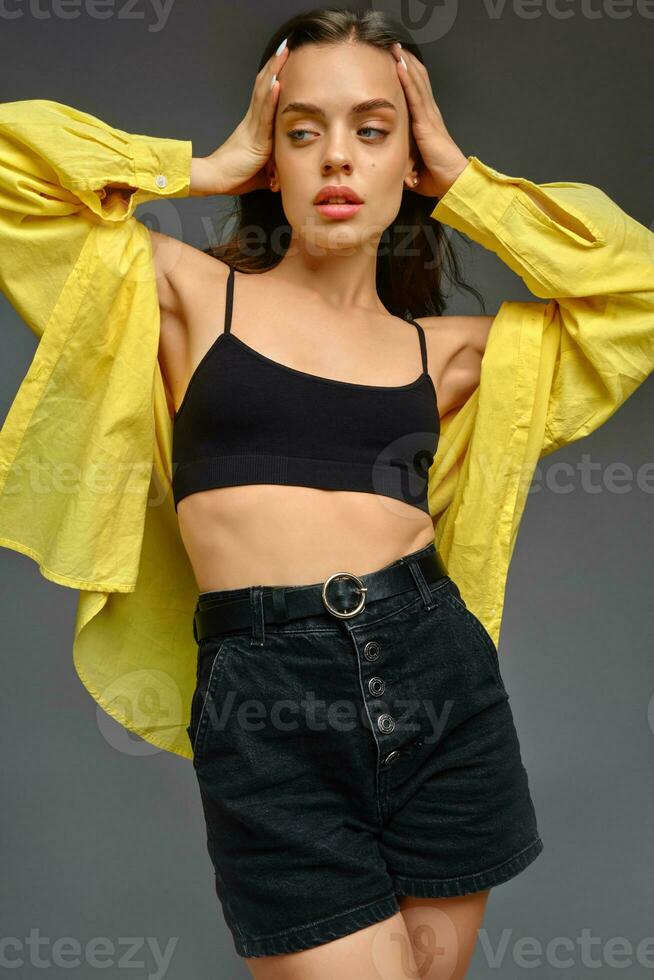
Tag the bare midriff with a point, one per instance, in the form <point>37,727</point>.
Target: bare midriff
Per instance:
<point>264,534</point>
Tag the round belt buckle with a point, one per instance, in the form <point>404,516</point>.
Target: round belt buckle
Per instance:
<point>361,588</point>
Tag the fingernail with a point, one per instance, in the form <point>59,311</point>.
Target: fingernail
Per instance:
<point>272,84</point>
<point>281,47</point>
<point>404,63</point>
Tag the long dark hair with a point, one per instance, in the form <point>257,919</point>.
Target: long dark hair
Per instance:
<point>414,253</point>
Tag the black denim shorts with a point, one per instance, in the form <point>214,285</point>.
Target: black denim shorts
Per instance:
<point>344,762</point>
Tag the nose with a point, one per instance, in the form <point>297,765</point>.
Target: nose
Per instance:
<point>337,155</point>
<point>336,163</point>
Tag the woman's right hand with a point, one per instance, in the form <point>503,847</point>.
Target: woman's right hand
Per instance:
<point>237,166</point>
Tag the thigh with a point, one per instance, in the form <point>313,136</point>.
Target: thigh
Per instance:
<point>382,951</point>
<point>443,933</point>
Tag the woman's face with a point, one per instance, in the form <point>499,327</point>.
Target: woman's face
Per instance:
<point>366,149</point>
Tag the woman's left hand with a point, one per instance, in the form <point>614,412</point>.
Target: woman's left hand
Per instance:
<point>442,158</point>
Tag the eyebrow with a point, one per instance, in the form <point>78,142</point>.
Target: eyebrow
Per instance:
<point>307,108</point>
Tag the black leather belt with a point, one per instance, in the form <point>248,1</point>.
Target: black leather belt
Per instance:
<point>343,595</point>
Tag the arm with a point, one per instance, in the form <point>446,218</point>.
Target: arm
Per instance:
<point>573,246</point>
<point>57,169</point>
<point>78,443</point>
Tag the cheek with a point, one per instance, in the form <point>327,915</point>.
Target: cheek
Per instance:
<point>388,168</point>
<point>384,184</point>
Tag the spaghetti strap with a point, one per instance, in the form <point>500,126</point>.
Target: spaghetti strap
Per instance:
<point>423,345</point>
<point>229,300</point>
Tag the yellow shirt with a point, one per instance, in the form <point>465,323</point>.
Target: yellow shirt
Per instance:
<point>85,449</point>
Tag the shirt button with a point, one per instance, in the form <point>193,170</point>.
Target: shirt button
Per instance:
<point>391,758</point>
<point>161,180</point>
<point>386,723</point>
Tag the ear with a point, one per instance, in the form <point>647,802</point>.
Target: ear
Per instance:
<point>416,164</point>
<point>412,175</point>
<point>271,175</point>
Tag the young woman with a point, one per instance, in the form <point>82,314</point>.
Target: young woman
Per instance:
<point>316,821</point>
<point>350,729</point>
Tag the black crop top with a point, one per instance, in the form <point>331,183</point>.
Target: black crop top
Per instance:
<point>248,419</point>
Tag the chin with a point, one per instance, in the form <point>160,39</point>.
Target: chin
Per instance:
<point>333,237</point>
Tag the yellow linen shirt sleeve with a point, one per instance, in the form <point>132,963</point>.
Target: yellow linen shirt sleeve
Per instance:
<point>57,166</point>
<point>574,246</point>
<point>77,444</point>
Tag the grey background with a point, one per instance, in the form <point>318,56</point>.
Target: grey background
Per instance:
<point>101,838</point>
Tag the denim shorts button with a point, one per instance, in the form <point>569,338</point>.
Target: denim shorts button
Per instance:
<point>371,650</point>
<point>391,758</point>
<point>376,686</point>
<point>386,723</point>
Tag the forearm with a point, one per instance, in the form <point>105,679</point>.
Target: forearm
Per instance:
<point>202,178</point>
<point>563,239</point>
<point>573,245</point>
<point>58,163</point>
<point>443,178</point>
<point>70,152</point>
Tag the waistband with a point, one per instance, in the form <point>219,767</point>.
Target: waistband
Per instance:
<point>343,595</point>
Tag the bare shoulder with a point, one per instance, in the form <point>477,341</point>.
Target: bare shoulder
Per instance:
<point>455,347</point>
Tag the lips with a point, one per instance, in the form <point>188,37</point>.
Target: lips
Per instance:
<point>337,194</point>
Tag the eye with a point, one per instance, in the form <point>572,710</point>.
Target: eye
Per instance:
<point>374,129</point>
<point>295,134</point>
